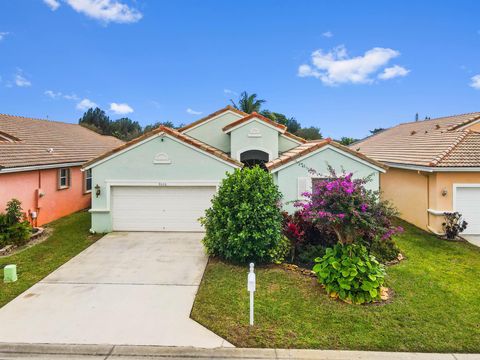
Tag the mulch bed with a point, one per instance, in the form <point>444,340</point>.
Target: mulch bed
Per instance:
<point>39,236</point>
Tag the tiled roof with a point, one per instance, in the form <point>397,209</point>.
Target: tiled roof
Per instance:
<point>437,142</point>
<point>294,137</point>
<point>208,117</point>
<point>311,146</point>
<point>33,142</point>
<point>184,138</point>
<point>254,115</point>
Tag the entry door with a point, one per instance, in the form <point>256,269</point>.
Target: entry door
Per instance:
<point>172,208</point>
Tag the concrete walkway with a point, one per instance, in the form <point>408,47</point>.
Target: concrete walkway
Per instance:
<point>86,352</point>
<point>127,288</point>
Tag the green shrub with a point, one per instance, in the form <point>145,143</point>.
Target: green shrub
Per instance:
<point>14,212</point>
<point>244,222</point>
<point>349,272</point>
<point>19,233</point>
<point>306,254</point>
<point>384,250</point>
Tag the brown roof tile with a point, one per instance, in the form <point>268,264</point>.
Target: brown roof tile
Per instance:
<point>26,142</point>
<point>208,117</point>
<point>425,143</point>
<point>311,146</point>
<point>184,138</point>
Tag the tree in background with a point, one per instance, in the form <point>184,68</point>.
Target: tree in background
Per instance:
<point>251,103</point>
<point>347,140</point>
<point>248,103</point>
<point>376,130</point>
<point>151,127</point>
<point>125,129</point>
<point>96,120</point>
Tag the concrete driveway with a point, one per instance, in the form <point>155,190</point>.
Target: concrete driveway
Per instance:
<point>127,288</point>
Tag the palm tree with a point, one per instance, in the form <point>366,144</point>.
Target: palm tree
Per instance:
<point>248,103</point>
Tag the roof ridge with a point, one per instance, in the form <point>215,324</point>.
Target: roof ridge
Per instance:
<point>251,116</point>
<point>209,116</point>
<point>463,123</point>
<point>39,119</point>
<point>441,156</point>
<point>437,118</point>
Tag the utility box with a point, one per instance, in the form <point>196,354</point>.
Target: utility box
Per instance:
<point>10,273</point>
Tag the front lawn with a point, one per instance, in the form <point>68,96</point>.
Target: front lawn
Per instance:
<point>435,307</point>
<point>69,237</point>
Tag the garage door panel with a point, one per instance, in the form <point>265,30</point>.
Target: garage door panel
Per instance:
<point>159,208</point>
<point>467,202</point>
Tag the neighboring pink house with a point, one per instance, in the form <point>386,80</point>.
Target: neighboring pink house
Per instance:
<point>40,163</point>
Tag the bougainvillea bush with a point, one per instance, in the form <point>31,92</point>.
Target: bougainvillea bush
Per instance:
<point>244,222</point>
<point>361,223</point>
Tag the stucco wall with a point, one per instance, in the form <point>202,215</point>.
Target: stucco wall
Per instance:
<point>211,131</point>
<point>54,204</point>
<point>407,190</point>
<point>285,144</point>
<point>267,141</point>
<point>137,164</point>
<point>287,178</point>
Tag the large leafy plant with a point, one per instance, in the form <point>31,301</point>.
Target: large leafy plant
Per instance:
<point>350,273</point>
<point>244,222</point>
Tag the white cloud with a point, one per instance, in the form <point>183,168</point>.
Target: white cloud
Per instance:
<point>86,104</point>
<point>193,112</point>
<point>327,34</point>
<point>52,4</point>
<point>3,34</point>
<point>120,109</point>
<point>393,72</point>
<point>52,94</point>
<point>475,82</point>
<point>229,92</point>
<point>20,80</point>
<point>70,97</point>
<point>336,67</point>
<point>106,10</point>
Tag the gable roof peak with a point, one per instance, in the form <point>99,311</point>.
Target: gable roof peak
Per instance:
<point>212,115</point>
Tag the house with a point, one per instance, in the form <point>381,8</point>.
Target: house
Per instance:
<point>40,164</point>
<point>164,180</point>
<point>434,167</point>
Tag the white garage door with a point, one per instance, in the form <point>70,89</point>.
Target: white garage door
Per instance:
<point>467,203</point>
<point>172,208</point>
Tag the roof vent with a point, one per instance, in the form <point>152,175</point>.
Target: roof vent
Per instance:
<point>50,150</point>
<point>437,126</point>
<point>413,132</point>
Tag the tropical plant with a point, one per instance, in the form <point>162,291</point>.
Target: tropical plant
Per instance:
<point>347,140</point>
<point>248,103</point>
<point>453,224</point>
<point>344,205</point>
<point>14,229</point>
<point>13,212</point>
<point>244,222</point>
<point>348,272</point>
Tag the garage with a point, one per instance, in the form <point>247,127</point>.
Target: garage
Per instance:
<point>159,208</point>
<point>467,203</point>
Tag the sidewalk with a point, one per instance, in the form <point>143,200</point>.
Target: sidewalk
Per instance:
<point>124,352</point>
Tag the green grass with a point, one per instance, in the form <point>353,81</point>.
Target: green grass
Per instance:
<point>69,237</point>
<point>436,306</point>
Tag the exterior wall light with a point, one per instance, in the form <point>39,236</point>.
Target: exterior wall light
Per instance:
<point>444,192</point>
<point>97,190</point>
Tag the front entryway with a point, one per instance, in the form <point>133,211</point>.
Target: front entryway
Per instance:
<point>159,208</point>
<point>128,288</point>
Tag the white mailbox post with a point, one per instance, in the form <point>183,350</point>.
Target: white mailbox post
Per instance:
<point>251,289</point>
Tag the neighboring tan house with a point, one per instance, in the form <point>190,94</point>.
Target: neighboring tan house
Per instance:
<point>434,167</point>
<point>164,180</point>
<point>40,164</point>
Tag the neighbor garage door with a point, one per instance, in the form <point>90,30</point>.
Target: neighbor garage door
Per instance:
<point>144,208</point>
<point>467,202</point>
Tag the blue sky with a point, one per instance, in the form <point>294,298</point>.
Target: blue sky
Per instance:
<point>346,66</point>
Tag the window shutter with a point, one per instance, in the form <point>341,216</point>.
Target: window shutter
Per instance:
<point>68,177</point>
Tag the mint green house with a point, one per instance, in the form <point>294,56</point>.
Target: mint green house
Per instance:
<point>164,180</point>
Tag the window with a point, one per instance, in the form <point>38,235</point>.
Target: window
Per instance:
<point>64,178</point>
<point>88,180</point>
<point>318,180</point>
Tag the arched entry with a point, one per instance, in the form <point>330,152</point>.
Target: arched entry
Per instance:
<point>251,158</point>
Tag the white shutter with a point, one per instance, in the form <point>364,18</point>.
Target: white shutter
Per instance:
<point>304,184</point>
